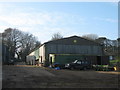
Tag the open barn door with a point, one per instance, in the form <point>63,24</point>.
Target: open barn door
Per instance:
<point>99,60</point>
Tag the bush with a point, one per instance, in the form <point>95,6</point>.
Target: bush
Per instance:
<point>103,68</point>
<point>115,63</point>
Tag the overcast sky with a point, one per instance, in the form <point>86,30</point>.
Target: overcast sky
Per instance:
<point>68,18</point>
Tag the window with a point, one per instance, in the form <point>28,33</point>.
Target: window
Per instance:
<point>86,62</point>
<point>79,62</point>
<point>82,62</point>
<point>75,61</point>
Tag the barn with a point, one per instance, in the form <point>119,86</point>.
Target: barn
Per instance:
<point>68,49</point>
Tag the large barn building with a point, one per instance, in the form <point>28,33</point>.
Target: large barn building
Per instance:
<point>66,50</point>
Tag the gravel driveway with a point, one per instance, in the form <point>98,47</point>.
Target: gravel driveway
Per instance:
<point>22,76</point>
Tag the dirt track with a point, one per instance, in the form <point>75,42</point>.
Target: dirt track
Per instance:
<point>39,77</point>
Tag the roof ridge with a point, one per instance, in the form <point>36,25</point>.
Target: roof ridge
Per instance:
<point>71,37</point>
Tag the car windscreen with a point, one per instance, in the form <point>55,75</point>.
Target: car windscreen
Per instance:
<point>75,61</point>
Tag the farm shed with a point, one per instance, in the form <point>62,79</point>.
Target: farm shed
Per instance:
<point>33,57</point>
<point>68,49</point>
<point>30,60</point>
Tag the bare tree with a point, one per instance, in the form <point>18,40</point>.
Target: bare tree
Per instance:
<point>11,38</point>
<point>56,36</point>
<point>19,43</point>
<point>90,36</point>
<point>28,42</point>
<point>110,46</point>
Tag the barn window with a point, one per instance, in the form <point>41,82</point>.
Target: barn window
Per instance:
<point>79,62</point>
<point>75,41</point>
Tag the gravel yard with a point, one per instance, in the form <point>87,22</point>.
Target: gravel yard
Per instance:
<point>22,76</point>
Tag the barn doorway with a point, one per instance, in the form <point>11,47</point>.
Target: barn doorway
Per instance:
<point>50,60</point>
<point>99,60</point>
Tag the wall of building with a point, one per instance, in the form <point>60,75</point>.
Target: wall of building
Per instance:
<point>72,45</point>
<point>42,54</point>
<point>32,53</point>
<point>68,58</point>
<point>105,60</point>
<point>30,60</point>
<point>36,53</point>
<point>5,54</point>
<point>1,47</point>
<point>74,49</point>
<point>90,50</point>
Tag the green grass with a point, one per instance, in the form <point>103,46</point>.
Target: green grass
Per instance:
<point>114,61</point>
<point>102,65</point>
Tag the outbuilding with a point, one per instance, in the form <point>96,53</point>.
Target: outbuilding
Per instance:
<point>68,49</point>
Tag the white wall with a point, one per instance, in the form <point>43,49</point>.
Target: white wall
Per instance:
<point>42,54</point>
<point>32,53</point>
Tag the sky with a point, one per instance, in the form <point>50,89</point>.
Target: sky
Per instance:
<point>43,19</point>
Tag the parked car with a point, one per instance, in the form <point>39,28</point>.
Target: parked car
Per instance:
<point>78,64</point>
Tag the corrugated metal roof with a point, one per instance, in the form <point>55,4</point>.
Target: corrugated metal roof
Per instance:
<point>65,40</point>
